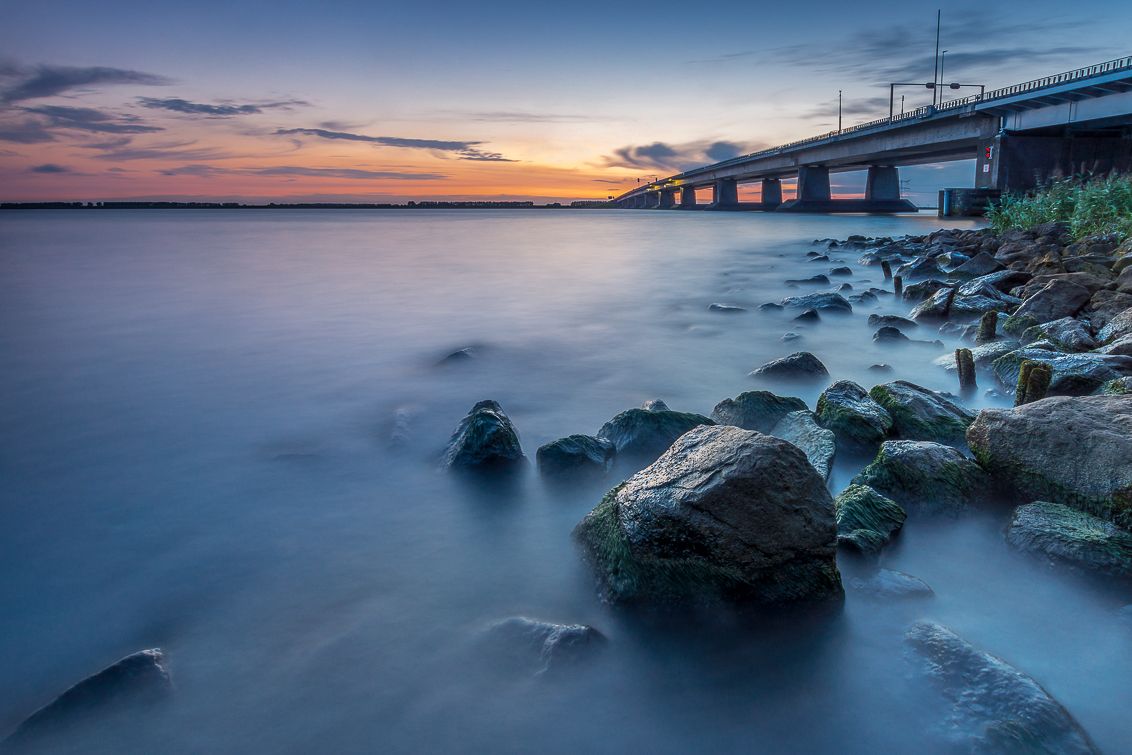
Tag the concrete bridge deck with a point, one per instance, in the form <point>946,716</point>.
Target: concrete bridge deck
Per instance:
<point>1018,135</point>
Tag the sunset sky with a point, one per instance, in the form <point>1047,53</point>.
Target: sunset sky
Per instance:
<point>375,101</point>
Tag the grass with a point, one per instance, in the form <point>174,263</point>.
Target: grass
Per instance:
<point>1090,207</point>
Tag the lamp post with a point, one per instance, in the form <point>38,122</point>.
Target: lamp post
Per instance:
<point>839,111</point>
<point>939,86</point>
<point>935,67</point>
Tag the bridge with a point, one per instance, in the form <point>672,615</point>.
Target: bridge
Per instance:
<point>1019,135</point>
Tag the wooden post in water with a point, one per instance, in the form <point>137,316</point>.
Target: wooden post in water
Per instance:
<point>965,363</point>
<point>988,326</point>
<point>898,286</point>
<point>886,269</point>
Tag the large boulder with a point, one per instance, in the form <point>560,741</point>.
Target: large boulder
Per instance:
<point>858,422</point>
<point>646,434</point>
<point>932,477</point>
<point>1120,325</point>
<point>542,646</point>
<point>801,429</point>
<point>1073,537</point>
<point>1067,334</point>
<point>1074,451</point>
<point>829,302</point>
<point>756,410</point>
<point>725,514</point>
<point>972,298</point>
<point>866,520</point>
<point>921,267</point>
<point>981,264</point>
<point>1057,299</point>
<point>921,414</point>
<point>983,354</point>
<point>575,455</point>
<point>484,439</point>
<point>801,365</point>
<point>139,677</point>
<point>1073,374</point>
<point>1105,305</point>
<point>994,706</point>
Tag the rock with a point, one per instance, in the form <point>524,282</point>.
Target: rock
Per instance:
<point>801,365</point>
<point>810,315</point>
<point>1070,450</point>
<point>655,405</point>
<point>1074,537</point>
<point>1120,325</point>
<point>889,584</point>
<point>1055,300</point>
<point>895,321</point>
<point>1088,281</point>
<point>1124,281</point>
<point>647,434</point>
<point>541,645</point>
<point>1004,281</point>
<point>801,429</point>
<point>1105,305</point>
<point>1121,347</point>
<point>972,298</point>
<point>485,438</point>
<point>995,707</point>
<point>756,410</point>
<point>139,677</point>
<point>983,354</point>
<point>820,301</point>
<point>770,307</point>
<point>936,478</point>
<point>889,334</point>
<point>922,267</point>
<point>981,264</point>
<point>866,520</point>
<point>465,354</point>
<point>815,279</point>
<point>921,414</point>
<point>845,287</point>
<point>858,422</point>
<point>791,336</point>
<point>922,290</point>
<point>841,271</point>
<point>725,514</point>
<point>1117,387</point>
<point>1067,334</point>
<point>1073,374</point>
<point>727,309</point>
<point>884,368</point>
<point>575,455</point>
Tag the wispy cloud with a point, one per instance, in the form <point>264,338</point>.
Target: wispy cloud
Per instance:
<point>293,170</point>
<point>91,120</point>
<point>25,131</point>
<point>673,158</point>
<point>519,116</point>
<point>467,150</point>
<point>222,110</point>
<point>163,151</point>
<point>49,168</point>
<point>19,83</point>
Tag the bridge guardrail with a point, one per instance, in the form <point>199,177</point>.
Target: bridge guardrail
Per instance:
<point>1110,66</point>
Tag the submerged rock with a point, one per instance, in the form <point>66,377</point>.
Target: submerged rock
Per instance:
<point>816,279</point>
<point>810,315</point>
<point>921,414</point>
<point>655,405</point>
<point>756,410</point>
<point>888,584</point>
<point>935,478</point>
<point>816,442</point>
<point>725,514</point>
<point>575,455</point>
<point>799,365</point>
<point>485,438</point>
<point>1074,451</point>
<point>896,321</point>
<point>995,707</point>
<point>727,309</point>
<point>858,422</point>
<point>542,645</point>
<point>866,520</point>
<point>139,677</point>
<point>1073,537</point>
<point>821,301</point>
<point>647,434</point>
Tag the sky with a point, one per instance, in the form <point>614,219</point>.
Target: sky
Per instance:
<point>387,102</point>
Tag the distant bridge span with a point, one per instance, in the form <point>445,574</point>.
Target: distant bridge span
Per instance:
<point>1073,121</point>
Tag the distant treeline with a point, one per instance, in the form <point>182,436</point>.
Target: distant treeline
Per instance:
<point>429,205</point>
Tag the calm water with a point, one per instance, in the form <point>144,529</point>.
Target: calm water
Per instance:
<point>196,413</point>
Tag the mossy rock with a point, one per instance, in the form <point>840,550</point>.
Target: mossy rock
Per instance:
<point>932,477</point>
<point>921,414</point>
<point>856,419</point>
<point>1016,325</point>
<point>861,510</point>
<point>1072,537</point>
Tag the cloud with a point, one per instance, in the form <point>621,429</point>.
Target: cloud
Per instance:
<point>29,83</point>
<point>178,105</point>
<point>291,170</point>
<point>90,119</point>
<point>49,168</point>
<point>871,107</point>
<point>516,116</point>
<point>675,158</point>
<point>468,150</point>
<point>25,131</point>
<point>163,151</point>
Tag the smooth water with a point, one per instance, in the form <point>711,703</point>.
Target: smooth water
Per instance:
<point>197,421</point>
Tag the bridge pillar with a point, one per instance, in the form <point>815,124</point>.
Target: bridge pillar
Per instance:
<point>726,195</point>
<point>882,193</point>
<point>652,200</point>
<point>882,184</point>
<point>667,199</point>
<point>688,198</point>
<point>772,193</point>
<point>1014,162</point>
<point>813,183</point>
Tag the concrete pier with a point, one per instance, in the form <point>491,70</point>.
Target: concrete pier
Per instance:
<point>688,198</point>
<point>772,193</point>
<point>652,200</point>
<point>726,195</point>
<point>667,199</point>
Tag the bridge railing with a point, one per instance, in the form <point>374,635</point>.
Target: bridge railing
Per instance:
<point>1078,74</point>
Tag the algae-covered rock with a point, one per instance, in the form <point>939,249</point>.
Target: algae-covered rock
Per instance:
<point>994,706</point>
<point>921,414</point>
<point>1073,537</point>
<point>1067,334</point>
<point>645,433</point>
<point>725,514</point>
<point>756,410</point>
<point>858,422</point>
<point>1117,387</point>
<point>485,438</point>
<point>1074,451</point>
<point>866,520</point>
<point>801,429</point>
<point>1120,325</point>
<point>1073,374</point>
<point>932,477</point>
<point>575,455</point>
